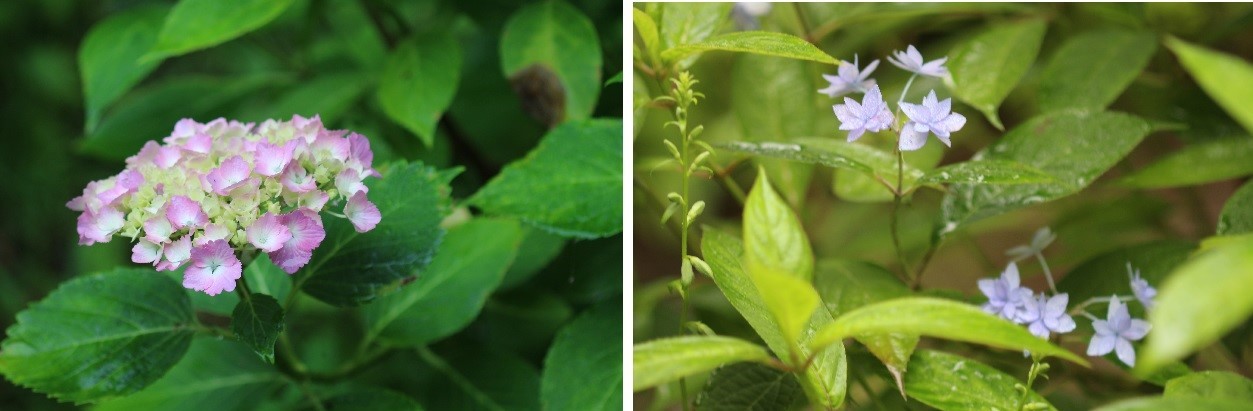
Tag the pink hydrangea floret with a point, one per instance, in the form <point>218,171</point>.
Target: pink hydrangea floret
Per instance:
<point>214,192</point>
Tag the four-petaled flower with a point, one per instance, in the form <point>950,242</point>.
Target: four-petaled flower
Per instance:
<point>1043,314</point>
<point>871,115</point>
<point>911,60</point>
<point>932,116</point>
<point>1141,288</point>
<point>1116,333</point>
<point>214,268</point>
<point>849,79</point>
<point>1041,240</point>
<point>1006,295</point>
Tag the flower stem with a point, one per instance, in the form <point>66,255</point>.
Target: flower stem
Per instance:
<point>1048,274</point>
<point>905,91</point>
<point>908,277</point>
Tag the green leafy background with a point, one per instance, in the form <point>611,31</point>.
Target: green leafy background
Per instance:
<point>499,304</point>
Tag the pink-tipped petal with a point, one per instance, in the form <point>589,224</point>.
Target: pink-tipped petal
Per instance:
<point>360,150</point>
<point>348,182</point>
<point>327,146</point>
<point>212,232</point>
<point>214,268</point>
<point>268,233</point>
<point>184,213</point>
<point>363,214</point>
<point>229,175</point>
<point>145,252</point>
<point>296,179</point>
<point>199,143</point>
<point>306,234</point>
<point>176,253</point>
<point>168,156</point>
<point>272,159</point>
<point>158,229</point>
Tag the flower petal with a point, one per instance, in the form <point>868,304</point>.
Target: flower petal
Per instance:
<point>268,233</point>
<point>1101,344</point>
<point>363,214</point>
<point>1126,353</point>
<point>911,139</point>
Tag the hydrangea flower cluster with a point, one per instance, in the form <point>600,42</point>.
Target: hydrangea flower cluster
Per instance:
<point>215,191</point>
<point>1044,314</point>
<point>931,116</point>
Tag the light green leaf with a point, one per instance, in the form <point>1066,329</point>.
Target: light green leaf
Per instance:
<point>419,82</point>
<point>150,112</point>
<point>750,386</point>
<point>687,23</point>
<point>938,318</point>
<point>1199,302</point>
<point>845,285</point>
<point>583,369</point>
<point>551,54</point>
<point>538,249</point>
<point>91,339</point>
<point>988,66</point>
<point>647,29</point>
<point>1211,384</point>
<point>197,24</point>
<point>1073,147</point>
<point>351,268</point>
<point>1090,70</point>
<point>214,375</point>
<point>108,57</point>
<point>832,153</point>
<point>1177,403</point>
<point>470,264</point>
<point>774,239</point>
<point>256,322</point>
<point>661,361</point>
<point>639,103</point>
<point>774,99</point>
<point>953,383</point>
<point>987,172</point>
<point>1199,163</point>
<point>368,398</point>
<point>571,184</point>
<point>1237,214</point>
<point>756,42</point>
<point>825,380</point>
<point>1226,78</point>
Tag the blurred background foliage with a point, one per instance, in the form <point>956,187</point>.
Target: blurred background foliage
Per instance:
<point>761,98</point>
<point>305,57</point>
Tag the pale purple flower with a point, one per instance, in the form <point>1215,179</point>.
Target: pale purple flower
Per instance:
<point>214,268</point>
<point>268,233</point>
<point>849,79</point>
<point>1006,295</point>
<point>911,60</point>
<point>1039,241</point>
<point>363,214</point>
<point>932,116</point>
<point>1116,333</point>
<point>185,213</point>
<point>1043,314</point>
<point>871,115</point>
<point>1140,287</point>
<point>229,175</point>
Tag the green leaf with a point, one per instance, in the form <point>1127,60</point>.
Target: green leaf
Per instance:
<point>775,100</point>
<point>688,23</point>
<point>750,386</point>
<point>825,380</point>
<point>774,240</point>
<point>756,42</point>
<point>266,278</point>
<point>952,383</point>
<point>1211,384</point>
<point>329,96</point>
<point>1177,403</point>
<point>583,368</point>
<point>214,375</point>
<point>256,322</point>
<point>988,66</point>
<point>419,82</point>
<point>1237,214</point>
<point>832,153</point>
<point>1199,163</point>
<point>640,99</point>
<point>1226,78</point>
<point>1106,274</point>
<point>197,24</point>
<point>92,339</point>
<point>150,112</point>
<point>987,172</point>
<point>649,35</point>
<point>571,184</point>
<point>551,54</point>
<point>1074,147</point>
<point>470,264</point>
<point>108,57</point>
<point>459,378</point>
<point>351,268</point>
<point>1200,302</point>
<point>938,318</point>
<point>538,249</point>
<point>369,398</point>
<point>664,360</point>
<point>1090,70</point>
<point>845,285</point>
